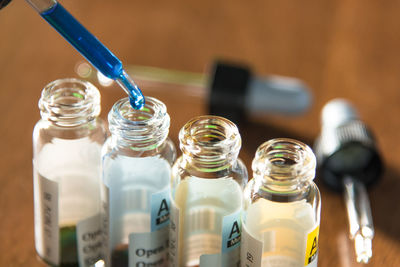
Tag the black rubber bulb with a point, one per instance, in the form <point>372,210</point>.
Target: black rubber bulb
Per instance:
<point>346,147</point>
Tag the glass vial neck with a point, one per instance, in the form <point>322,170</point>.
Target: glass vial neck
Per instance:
<point>210,143</point>
<point>284,165</point>
<point>69,102</point>
<point>142,129</point>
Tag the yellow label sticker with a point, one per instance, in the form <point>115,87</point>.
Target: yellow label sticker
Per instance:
<point>312,246</point>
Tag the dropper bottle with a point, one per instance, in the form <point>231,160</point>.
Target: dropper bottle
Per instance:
<point>89,46</point>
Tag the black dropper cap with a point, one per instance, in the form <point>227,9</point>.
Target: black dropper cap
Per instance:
<point>346,147</point>
<point>229,85</point>
<point>237,94</point>
<point>3,3</point>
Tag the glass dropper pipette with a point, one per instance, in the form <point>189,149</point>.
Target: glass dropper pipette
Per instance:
<point>89,46</point>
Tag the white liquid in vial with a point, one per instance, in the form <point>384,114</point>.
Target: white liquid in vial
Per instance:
<point>75,166</point>
<point>202,204</point>
<point>67,201</point>
<point>132,184</point>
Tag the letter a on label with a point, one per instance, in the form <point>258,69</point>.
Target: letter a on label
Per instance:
<point>235,229</point>
<point>231,235</point>
<point>163,207</point>
<point>160,210</point>
<point>312,246</point>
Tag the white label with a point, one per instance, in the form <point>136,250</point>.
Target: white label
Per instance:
<point>174,235</point>
<point>251,250</point>
<point>148,249</point>
<point>46,219</point>
<point>89,236</point>
<point>105,223</point>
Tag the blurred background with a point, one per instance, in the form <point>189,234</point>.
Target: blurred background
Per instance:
<point>343,48</point>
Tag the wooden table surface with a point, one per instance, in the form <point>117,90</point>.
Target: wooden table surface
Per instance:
<point>345,48</point>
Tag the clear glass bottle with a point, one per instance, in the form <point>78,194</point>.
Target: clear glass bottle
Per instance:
<point>137,161</point>
<point>281,215</point>
<point>206,202</point>
<point>67,145</point>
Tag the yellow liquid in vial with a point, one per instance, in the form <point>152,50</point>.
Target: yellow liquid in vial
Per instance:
<point>283,230</point>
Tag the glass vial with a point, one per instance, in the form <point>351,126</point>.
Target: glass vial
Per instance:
<point>137,161</point>
<point>67,143</point>
<point>206,202</point>
<point>281,215</point>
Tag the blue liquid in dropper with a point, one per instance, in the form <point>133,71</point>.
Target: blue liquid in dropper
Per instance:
<point>93,50</point>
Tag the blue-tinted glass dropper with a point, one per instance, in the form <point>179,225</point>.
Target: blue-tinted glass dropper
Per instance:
<point>89,46</point>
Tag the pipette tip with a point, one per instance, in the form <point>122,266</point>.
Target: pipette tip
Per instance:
<point>136,97</point>
<point>363,247</point>
<point>137,103</point>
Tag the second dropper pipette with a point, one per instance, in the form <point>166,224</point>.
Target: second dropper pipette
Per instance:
<point>349,161</point>
<point>89,46</point>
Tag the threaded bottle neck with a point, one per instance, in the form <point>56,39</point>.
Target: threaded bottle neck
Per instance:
<point>211,143</point>
<point>69,102</point>
<point>142,129</point>
<point>284,164</point>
